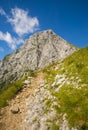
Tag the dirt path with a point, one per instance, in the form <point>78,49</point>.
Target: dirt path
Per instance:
<point>10,121</point>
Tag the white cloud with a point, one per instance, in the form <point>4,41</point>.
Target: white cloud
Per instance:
<point>11,41</point>
<point>1,49</point>
<point>23,23</point>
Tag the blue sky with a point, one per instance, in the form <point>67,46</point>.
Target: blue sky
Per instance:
<point>21,18</point>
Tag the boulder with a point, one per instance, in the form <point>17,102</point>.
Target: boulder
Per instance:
<point>26,82</point>
<point>15,109</point>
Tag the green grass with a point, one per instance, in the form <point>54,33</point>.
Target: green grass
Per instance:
<point>77,64</point>
<point>9,92</point>
<point>54,127</point>
<point>71,100</point>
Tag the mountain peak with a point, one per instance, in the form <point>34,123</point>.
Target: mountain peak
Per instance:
<point>49,31</point>
<point>45,32</point>
<point>46,35</point>
<point>40,50</point>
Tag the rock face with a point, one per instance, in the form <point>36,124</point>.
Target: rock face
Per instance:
<point>38,51</point>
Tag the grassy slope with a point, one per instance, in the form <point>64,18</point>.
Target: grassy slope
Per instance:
<point>8,92</point>
<point>72,97</point>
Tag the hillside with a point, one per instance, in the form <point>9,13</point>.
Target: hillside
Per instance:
<point>59,99</point>
<point>67,83</point>
<point>40,50</point>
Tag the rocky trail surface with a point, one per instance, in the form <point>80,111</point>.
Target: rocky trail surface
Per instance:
<point>12,117</point>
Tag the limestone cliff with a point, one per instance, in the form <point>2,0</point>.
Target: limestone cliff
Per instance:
<point>38,51</point>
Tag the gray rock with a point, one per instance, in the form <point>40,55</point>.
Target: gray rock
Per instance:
<point>38,51</point>
<point>15,109</point>
<point>26,82</point>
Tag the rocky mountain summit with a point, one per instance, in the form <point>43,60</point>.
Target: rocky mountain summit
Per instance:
<point>38,51</point>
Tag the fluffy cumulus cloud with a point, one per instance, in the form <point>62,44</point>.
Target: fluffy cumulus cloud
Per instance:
<point>11,41</point>
<point>22,23</point>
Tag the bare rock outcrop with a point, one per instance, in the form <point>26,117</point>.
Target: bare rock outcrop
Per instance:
<point>38,51</point>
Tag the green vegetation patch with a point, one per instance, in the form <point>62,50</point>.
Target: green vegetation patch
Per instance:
<point>72,99</point>
<point>74,103</point>
<point>77,65</point>
<point>9,92</point>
